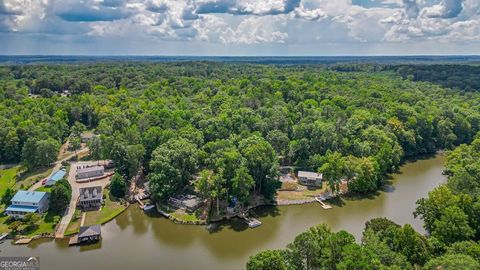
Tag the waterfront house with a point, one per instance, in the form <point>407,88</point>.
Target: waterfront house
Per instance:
<point>187,202</point>
<point>25,202</point>
<point>89,172</point>
<point>86,137</point>
<point>90,197</point>
<point>89,234</point>
<point>310,178</point>
<point>54,178</point>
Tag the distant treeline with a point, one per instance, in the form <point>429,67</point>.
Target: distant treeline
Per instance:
<point>462,77</point>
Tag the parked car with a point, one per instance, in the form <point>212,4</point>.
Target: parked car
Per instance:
<point>44,181</point>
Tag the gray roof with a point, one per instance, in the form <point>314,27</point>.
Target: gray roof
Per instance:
<point>87,135</point>
<point>90,169</point>
<point>87,231</point>
<point>90,193</point>
<point>309,174</point>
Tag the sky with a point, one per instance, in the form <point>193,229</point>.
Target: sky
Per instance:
<point>240,27</point>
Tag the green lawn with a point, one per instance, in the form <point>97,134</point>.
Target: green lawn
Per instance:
<point>8,178</point>
<point>44,189</point>
<point>45,225</point>
<point>181,214</point>
<point>74,224</point>
<point>110,210</point>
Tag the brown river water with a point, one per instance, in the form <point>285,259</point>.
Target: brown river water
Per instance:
<point>136,241</point>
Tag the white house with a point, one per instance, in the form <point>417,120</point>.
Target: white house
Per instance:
<point>89,172</point>
<point>310,178</point>
<point>25,202</point>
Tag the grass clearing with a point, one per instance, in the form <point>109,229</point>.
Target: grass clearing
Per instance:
<point>74,224</point>
<point>8,178</point>
<point>288,195</point>
<point>181,214</point>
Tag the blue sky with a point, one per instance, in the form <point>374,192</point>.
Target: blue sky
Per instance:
<point>240,27</point>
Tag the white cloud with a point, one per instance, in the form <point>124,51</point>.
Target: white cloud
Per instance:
<point>294,23</point>
<point>255,30</point>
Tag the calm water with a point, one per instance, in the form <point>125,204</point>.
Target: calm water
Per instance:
<point>135,241</point>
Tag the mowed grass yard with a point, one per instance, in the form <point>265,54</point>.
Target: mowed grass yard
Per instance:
<point>8,178</point>
<point>302,194</point>
<point>111,208</point>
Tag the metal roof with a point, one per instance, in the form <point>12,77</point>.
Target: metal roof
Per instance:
<point>22,208</point>
<point>28,196</point>
<point>87,231</point>
<point>90,169</point>
<point>309,174</point>
<point>58,175</point>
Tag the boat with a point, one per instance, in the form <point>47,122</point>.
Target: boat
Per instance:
<point>3,236</point>
<point>253,222</point>
<point>148,207</point>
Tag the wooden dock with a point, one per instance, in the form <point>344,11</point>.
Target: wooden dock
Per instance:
<point>324,205</point>
<point>23,241</point>
<point>73,240</point>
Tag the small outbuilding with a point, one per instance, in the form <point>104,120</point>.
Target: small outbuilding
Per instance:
<point>54,178</point>
<point>310,178</point>
<point>89,234</point>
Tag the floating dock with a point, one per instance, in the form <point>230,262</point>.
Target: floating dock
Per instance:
<point>324,205</point>
<point>253,222</point>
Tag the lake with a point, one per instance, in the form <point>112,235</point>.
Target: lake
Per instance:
<point>136,241</point>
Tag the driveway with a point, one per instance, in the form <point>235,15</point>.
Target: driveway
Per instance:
<point>58,165</point>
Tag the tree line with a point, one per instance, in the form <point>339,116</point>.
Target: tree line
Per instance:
<point>450,213</point>
<point>222,130</point>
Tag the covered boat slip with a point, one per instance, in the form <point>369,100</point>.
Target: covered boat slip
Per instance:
<point>87,235</point>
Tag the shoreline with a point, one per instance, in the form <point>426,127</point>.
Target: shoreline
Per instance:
<point>225,218</point>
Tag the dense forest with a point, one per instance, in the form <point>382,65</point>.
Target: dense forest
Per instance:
<point>230,125</point>
<point>464,77</point>
<point>451,215</point>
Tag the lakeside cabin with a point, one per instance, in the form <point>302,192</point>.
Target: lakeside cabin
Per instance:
<point>90,198</point>
<point>54,178</point>
<point>310,178</point>
<point>188,202</point>
<point>89,172</point>
<point>25,202</point>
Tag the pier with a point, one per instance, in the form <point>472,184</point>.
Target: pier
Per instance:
<point>324,205</point>
<point>140,203</point>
